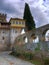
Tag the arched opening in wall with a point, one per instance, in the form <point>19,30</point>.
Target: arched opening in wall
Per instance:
<point>36,40</point>
<point>25,39</point>
<point>47,35</point>
<point>22,31</point>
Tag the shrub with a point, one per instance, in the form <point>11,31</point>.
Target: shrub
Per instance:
<point>46,61</point>
<point>28,55</point>
<point>16,54</point>
<point>37,49</point>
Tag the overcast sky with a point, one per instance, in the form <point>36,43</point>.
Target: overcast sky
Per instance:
<point>15,8</point>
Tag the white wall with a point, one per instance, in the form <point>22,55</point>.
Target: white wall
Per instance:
<point>14,34</point>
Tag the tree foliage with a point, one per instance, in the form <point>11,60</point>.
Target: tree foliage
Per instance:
<point>30,24</point>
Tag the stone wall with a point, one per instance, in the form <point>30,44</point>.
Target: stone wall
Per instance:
<point>4,38</point>
<point>43,46</point>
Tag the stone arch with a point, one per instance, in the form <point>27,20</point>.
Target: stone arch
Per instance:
<point>47,35</point>
<point>32,37</point>
<point>44,34</point>
<point>45,31</point>
<point>36,40</point>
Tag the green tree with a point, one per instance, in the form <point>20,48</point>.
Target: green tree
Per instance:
<point>30,24</point>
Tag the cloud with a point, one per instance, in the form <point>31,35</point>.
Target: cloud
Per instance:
<point>39,16</point>
<point>40,12</point>
<point>7,7</point>
<point>15,8</point>
<point>10,8</point>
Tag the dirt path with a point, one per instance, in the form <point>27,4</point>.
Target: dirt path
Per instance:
<point>6,59</point>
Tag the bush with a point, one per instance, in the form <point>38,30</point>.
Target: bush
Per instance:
<point>16,54</point>
<point>37,49</point>
<point>46,61</point>
<point>28,55</point>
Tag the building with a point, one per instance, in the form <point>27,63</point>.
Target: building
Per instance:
<point>9,30</point>
<point>3,17</point>
<point>16,26</point>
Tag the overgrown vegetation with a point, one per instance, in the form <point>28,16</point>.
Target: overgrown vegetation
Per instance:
<point>25,55</point>
<point>29,56</point>
<point>46,61</point>
<point>37,57</point>
<point>38,47</point>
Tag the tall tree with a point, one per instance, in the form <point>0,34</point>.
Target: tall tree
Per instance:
<point>30,24</point>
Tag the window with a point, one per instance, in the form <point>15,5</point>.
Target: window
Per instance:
<point>3,38</point>
<point>13,22</point>
<point>19,22</point>
<point>23,23</point>
<point>3,32</point>
<point>16,22</point>
<point>16,31</point>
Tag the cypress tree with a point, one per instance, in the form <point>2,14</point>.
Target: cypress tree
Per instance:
<point>30,24</point>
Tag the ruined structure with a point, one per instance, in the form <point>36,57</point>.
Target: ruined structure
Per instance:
<point>9,31</point>
<point>31,35</point>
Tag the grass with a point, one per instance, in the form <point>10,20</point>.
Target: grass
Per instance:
<point>36,62</point>
<point>27,57</point>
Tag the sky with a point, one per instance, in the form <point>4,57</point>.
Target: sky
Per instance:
<point>15,8</point>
